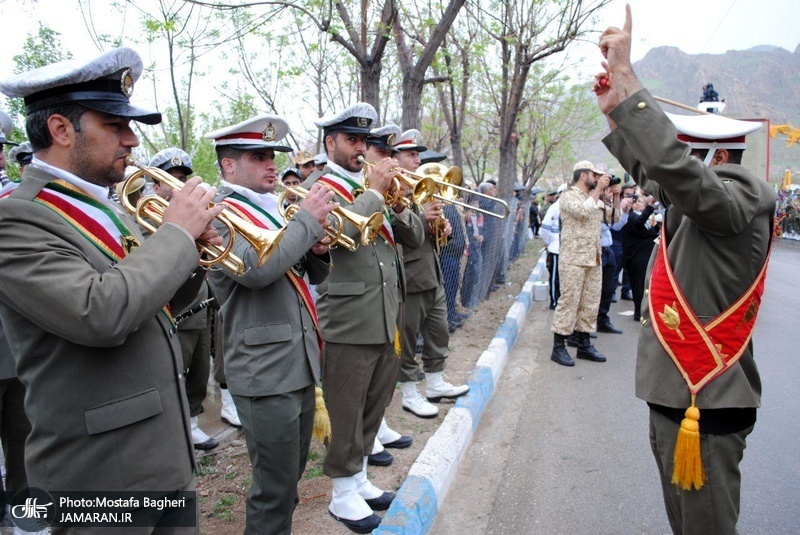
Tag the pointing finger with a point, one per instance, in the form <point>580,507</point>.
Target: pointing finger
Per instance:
<point>628,21</point>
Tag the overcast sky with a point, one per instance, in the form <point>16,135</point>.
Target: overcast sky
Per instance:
<point>694,26</point>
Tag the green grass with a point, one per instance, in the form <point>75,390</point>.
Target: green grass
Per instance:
<point>313,472</point>
<point>204,465</point>
<point>223,509</point>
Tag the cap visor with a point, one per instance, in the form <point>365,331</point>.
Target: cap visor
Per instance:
<point>351,130</point>
<point>122,109</point>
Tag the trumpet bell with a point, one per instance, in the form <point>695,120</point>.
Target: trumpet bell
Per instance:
<point>445,177</point>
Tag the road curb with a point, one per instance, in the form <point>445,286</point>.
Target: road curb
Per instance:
<point>414,509</point>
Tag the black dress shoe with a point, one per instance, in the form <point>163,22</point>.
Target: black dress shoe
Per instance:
<point>382,502</point>
<point>592,335</point>
<point>365,525</point>
<point>627,296</point>
<point>608,328</point>
<point>637,318</point>
<point>209,444</point>
<point>614,298</point>
<point>401,443</point>
<point>383,458</point>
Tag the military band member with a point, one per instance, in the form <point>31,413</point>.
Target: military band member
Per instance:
<point>304,162</point>
<point>379,146</point>
<point>22,155</point>
<point>426,303</point>
<point>85,310</point>
<point>194,332</point>
<point>705,282</point>
<point>269,330</point>
<point>6,125</point>
<point>358,306</point>
<point>292,177</point>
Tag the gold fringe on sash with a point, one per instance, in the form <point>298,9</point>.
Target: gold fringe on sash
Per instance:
<point>688,469</point>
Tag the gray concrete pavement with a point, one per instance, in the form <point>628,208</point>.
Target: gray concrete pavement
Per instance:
<point>565,450</point>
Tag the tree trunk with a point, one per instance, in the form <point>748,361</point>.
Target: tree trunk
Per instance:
<point>371,84</point>
<point>412,100</point>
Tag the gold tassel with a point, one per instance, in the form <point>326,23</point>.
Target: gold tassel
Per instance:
<point>322,422</point>
<point>398,346</point>
<point>688,464</point>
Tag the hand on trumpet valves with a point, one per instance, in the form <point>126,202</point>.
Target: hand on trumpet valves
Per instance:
<point>320,248</point>
<point>433,211</point>
<point>318,202</point>
<point>382,174</point>
<point>192,208</point>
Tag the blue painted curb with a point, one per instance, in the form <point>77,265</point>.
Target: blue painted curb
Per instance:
<point>417,502</point>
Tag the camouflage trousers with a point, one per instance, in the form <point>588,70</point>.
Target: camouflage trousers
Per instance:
<point>579,300</point>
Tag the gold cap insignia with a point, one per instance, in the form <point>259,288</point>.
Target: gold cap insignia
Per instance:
<point>126,83</point>
<point>176,160</point>
<point>363,122</point>
<point>390,139</point>
<point>268,133</point>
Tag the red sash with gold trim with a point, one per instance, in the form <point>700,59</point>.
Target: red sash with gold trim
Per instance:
<point>701,352</point>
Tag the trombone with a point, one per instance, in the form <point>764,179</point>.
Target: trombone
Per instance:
<point>448,184</point>
<point>368,226</point>
<point>422,187</point>
<point>153,207</point>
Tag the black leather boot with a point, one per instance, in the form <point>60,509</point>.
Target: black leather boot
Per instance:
<point>572,340</point>
<point>560,354</point>
<point>586,350</point>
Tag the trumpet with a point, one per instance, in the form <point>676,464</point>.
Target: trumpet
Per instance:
<point>368,226</point>
<point>152,207</point>
<point>448,184</point>
<point>422,187</point>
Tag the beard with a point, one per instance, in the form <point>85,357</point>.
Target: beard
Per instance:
<point>88,167</point>
<point>345,160</point>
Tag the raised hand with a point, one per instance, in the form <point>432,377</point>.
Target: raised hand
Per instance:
<point>318,202</point>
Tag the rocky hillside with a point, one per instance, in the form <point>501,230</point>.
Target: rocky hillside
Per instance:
<point>763,82</point>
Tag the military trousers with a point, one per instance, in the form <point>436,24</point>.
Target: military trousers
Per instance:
<point>714,509</point>
<point>196,353</point>
<point>425,314</point>
<point>358,382</point>
<point>277,430</point>
<point>579,300</point>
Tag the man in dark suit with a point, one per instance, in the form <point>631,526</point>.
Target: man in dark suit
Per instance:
<point>269,330</point>
<point>83,298</point>
<point>358,306</point>
<point>705,282</point>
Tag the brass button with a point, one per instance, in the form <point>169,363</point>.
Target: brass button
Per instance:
<point>305,329</point>
<point>644,322</point>
<point>647,291</point>
<point>641,105</point>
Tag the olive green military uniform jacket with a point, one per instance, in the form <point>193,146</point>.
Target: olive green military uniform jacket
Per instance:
<point>358,302</point>
<point>268,334</point>
<point>718,227</point>
<point>99,358</point>
<point>421,263</point>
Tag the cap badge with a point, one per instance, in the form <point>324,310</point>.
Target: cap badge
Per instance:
<point>363,122</point>
<point>268,133</point>
<point>176,160</point>
<point>390,139</point>
<point>126,83</point>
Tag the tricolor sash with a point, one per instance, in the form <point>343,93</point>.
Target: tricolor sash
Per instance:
<point>271,220</point>
<point>91,218</point>
<point>347,189</point>
<point>701,352</point>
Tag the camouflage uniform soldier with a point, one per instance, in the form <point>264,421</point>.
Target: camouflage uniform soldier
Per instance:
<point>579,268</point>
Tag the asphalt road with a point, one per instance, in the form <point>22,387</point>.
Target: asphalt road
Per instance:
<point>565,450</point>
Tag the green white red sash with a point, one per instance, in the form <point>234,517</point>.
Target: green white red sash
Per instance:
<point>701,352</point>
<point>91,218</point>
<point>347,188</point>
<point>263,218</point>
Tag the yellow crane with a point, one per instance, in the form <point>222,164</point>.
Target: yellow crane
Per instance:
<point>792,134</point>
